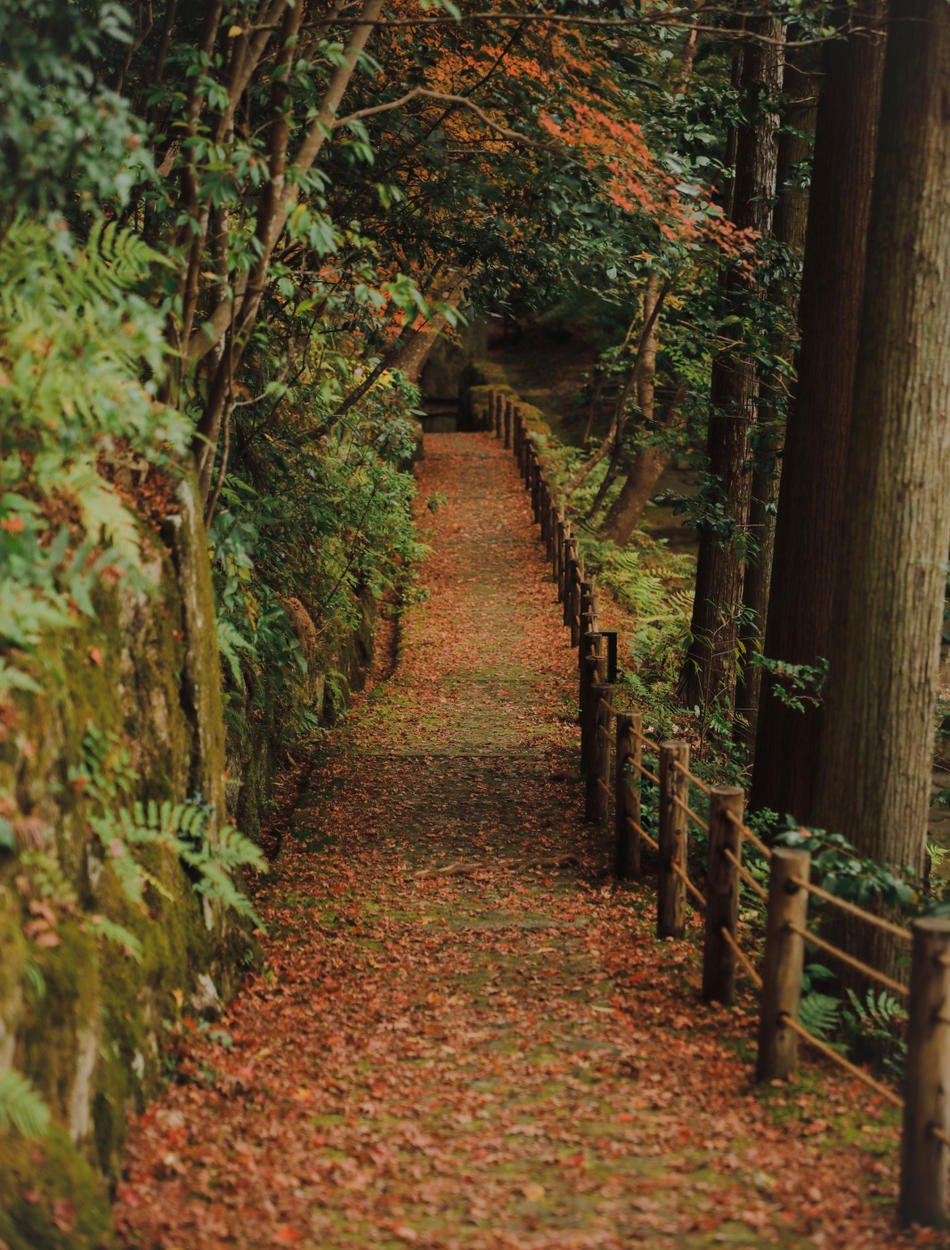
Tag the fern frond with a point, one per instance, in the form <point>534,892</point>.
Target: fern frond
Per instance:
<point>819,1013</point>
<point>22,1110</point>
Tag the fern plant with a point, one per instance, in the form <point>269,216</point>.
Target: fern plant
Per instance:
<point>874,1025</point>
<point>22,1110</point>
<point>81,357</point>
<point>123,825</point>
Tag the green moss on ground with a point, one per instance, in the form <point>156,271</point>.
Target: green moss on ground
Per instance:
<point>50,1197</point>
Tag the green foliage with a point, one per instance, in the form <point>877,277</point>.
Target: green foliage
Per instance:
<point>66,140</point>
<point>22,1110</point>
<point>874,1025</point>
<point>314,522</point>
<point>647,580</point>
<point>80,358</point>
<point>843,871</point>
<point>126,827</point>
<point>820,1013</point>
<point>796,685</point>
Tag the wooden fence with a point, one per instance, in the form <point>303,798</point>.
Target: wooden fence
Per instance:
<point>617,758</point>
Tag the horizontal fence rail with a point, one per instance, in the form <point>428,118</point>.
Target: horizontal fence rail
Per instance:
<point>613,751</point>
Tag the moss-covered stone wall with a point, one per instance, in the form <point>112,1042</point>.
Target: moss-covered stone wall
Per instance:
<point>80,1017</point>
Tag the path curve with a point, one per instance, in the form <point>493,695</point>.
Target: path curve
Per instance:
<point>499,1056</point>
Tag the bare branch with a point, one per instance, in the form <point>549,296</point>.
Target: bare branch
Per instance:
<point>456,101</point>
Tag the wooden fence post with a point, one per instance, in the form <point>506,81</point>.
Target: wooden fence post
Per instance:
<point>506,422</point>
<point>783,964</point>
<point>722,893</point>
<point>597,788</point>
<point>551,543</point>
<point>561,553</point>
<point>671,892</point>
<point>627,796</point>
<point>570,573</point>
<point>926,1129</point>
<point>585,615</point>
<point>589,674</point>
<point>574,620</point>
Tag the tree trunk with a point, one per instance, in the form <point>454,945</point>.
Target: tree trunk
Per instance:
<point>788,228</point>
<point>642,468</point>
<point>877,743</point>
<point>811,498</point>
<point>709,671</point>
<point>413,356</point>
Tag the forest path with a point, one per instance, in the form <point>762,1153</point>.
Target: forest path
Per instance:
<point>500,1057</point>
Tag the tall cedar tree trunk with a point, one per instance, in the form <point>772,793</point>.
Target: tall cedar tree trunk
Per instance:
<point>709,671</point>
<point>812,497</point>
<point>877,742</point>
<point>788,227</point>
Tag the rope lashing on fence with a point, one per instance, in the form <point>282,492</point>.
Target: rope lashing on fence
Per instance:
<point>696,781</point>
<point>749,835</point>
<point>645,771</point>
<point>743,958</point>
<point>693,890</point>
<point>829,1052</point>
<point>638,828</point>
<point>843,957</point>
<point>685,807</point>
<point>886,926</point>
<point>746,876</point>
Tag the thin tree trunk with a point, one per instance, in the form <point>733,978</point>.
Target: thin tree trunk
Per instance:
<point>812,495</point>
<point>709,671</point>
<point>629,500</point>
<point>788,228</point>
<point>415,352</point>
<point>651,313</point>
<point>877,741</point>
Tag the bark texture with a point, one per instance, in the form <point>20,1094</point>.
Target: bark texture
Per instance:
<point>811,497</point>
<point>788,227</point>
<point>709,673</point>
<point>874,772</point>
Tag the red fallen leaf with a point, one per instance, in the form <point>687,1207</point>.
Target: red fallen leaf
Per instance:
<point>12,524</point>
<point>64,1215</point>
<point>287,1235</point>
<point>95,656</point>
<point>48,939</point>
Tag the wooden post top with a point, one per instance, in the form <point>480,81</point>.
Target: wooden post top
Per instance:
<point>932,924</point>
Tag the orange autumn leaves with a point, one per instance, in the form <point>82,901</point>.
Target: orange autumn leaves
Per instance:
<point>637,182</point>
<point>564,81</point>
